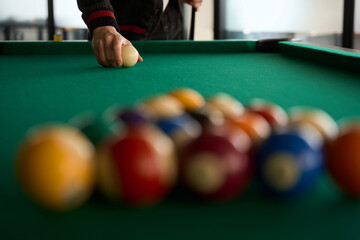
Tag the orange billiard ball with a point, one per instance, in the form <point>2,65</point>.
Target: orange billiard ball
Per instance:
<point>343,159</point>
<point>254,125</point>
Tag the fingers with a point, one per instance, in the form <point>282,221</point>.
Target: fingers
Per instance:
<point>194,3</point>
<point>107,45</point>
<point>116,49</point>
<point>99,51</point>
<point>109,52</point>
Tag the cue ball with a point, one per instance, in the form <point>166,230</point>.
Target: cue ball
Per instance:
<point>55,166</point>
<point>129,55</point>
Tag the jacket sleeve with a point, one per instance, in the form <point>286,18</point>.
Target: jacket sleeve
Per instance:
<point>97,13</point>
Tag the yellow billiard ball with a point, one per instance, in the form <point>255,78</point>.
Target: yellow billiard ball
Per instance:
<point>129,55</point>
<point>191,99</point>
<point>55,167</point>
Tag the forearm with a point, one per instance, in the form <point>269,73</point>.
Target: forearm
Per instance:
<point>97,13</point>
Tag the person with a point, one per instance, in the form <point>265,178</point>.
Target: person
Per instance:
<point>114,23</point>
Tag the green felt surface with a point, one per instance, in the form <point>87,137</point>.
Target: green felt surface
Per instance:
<point>60,80</point>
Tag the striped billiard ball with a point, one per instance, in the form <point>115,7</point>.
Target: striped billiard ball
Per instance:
<point>318,118</point>
<point>227,104</point>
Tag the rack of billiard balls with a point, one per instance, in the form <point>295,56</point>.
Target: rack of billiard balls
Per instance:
<point>211,147</point>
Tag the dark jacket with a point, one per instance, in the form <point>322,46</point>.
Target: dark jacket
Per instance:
<point>134,19</point>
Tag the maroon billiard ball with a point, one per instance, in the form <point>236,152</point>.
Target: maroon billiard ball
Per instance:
<point>214,168</point>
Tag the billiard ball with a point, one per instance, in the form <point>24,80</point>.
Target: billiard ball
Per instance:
<point>162,106</point>
<point>254,125</point>
<point>181,129</point>
<point>343,159</point>
<point>207,115</point>
<point>273,113</point>
<point>95,126</point>
<point>190,98</point>
<point>137,167</point>
<point>129,55</point>
<point>227,104</point>
<point>55,167</point>
<point>290,161</point>
<point>130,116</point>
<point>318,118</point>
<point>237,136</point>
<point>212,168</point>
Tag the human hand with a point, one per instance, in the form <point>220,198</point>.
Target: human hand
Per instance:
<point>107,44</point>
<point>195,3</point>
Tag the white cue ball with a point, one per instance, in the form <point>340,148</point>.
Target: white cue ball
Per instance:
<point>129,55</point>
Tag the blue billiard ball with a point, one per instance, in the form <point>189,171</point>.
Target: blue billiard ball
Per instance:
<point>181,129</point>
<point>290,161</point>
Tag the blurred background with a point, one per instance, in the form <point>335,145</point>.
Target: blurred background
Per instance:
<point>320,21</point>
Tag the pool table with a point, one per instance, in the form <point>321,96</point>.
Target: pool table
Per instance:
<point>54,81</point>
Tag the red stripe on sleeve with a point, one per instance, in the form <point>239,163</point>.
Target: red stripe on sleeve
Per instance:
<point>132,28</point>
<point>98,14</point>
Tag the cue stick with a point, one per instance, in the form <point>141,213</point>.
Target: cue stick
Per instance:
<point>192,26</point>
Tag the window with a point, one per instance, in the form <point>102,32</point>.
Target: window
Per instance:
<point>319,21</point>
<point>27,20</point>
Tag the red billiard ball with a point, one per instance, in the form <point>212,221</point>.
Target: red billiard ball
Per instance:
<point>214,168</point>
<point>343,159</point>
<point>273,113</point>
<point>139,167</point>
